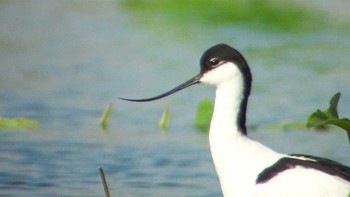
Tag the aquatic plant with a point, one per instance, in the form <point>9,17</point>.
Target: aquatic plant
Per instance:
<point>204,114</point>
<point>18,123</point>
<point>164,120</point>
<point>323,118</point>
<point>105,117</point>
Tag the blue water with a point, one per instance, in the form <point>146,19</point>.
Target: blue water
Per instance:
<point>62,63</point>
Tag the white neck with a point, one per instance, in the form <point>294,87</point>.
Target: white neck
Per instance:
<point>237,159</point>
<point>227,105</point>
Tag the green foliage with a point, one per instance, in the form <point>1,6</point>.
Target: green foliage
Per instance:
<point>105,117</point>
<point>287,125</point>
<point>16,123</point>
<point>321,119</point>
<point>270,14</point>
<point>204,114</point>
<point>164,120</point>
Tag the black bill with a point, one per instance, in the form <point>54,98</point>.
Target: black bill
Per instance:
<point>186,84</point>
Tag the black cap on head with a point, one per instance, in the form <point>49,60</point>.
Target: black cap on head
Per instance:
<point>218,55</point>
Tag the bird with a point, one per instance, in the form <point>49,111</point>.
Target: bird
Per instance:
<point>245,167</point>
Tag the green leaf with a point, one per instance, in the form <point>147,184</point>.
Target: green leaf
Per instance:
<point>164,120</point>
<point>332,112</point>
<point>204,114</point>
<point>317,119</point>
<point>320,119</point>
<point>105,117</point>
<point>343,123</point>
<point>18,123</point>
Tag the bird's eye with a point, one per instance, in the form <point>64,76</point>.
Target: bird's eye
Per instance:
<point>214,61</point>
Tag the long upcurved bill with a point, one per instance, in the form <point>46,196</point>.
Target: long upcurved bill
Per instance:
<point>186,84</point>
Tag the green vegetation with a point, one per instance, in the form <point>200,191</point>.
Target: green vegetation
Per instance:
<point>287,125</point>
<point>321,119</point>
<point>164,120</point>
<point>105,117</point>
<point>204,114</point>
<point>16,123</point>
<point>277,15</point>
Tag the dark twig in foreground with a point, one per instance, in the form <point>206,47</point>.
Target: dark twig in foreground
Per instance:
<point>104,182</point>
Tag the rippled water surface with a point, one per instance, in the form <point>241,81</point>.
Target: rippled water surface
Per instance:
<point>63,62</point>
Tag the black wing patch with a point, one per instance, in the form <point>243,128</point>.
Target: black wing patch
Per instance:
<point>325,165</point>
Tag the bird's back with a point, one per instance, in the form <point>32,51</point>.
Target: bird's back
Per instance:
<point>304,175</point>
